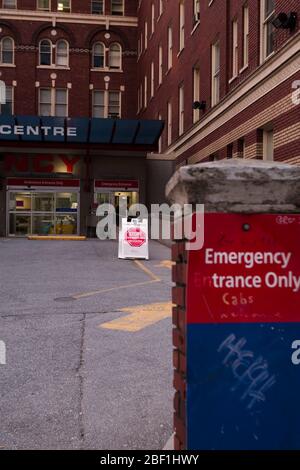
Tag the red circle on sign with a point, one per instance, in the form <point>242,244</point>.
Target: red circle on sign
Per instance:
<point>135,237</point>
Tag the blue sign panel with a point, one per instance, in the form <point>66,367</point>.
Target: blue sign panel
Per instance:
<point>243,387</point>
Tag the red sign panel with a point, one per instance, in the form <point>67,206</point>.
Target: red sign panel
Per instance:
<point>117,184</point>
<point>29,182</point>
<point>135,237</point>
<point>248,270</point>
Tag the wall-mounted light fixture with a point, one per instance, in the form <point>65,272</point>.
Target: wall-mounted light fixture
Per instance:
<point>285,21</point>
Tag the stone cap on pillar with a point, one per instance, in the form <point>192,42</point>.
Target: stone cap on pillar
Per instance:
<point>238,186</point>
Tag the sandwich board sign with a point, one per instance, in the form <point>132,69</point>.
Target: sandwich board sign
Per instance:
<point>133,239</point>
<point>243,334</point>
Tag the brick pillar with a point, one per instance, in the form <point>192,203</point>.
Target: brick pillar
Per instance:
<point>230,186</point>
<point>179,256</point>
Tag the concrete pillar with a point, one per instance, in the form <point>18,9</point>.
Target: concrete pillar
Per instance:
<point>234,186</point>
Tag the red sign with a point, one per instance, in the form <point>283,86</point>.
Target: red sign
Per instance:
<point>248,270</point>
<point>117,184</point>
<point>135,237</point>
<point>38,163</point>
<point>32,182</point>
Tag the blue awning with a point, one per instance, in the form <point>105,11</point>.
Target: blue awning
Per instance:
<point>80,130</point>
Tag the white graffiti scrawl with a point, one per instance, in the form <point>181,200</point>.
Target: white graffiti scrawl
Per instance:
<point>251,373</point>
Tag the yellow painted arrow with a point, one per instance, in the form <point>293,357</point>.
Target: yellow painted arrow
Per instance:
<point>140,317</point>
<point>165,264</point>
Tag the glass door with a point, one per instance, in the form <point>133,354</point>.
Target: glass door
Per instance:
<point>43,213</point>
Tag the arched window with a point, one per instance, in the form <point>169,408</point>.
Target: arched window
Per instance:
<point>62,53</point>
<point>45,52</point>
<point>115,56</point>
<point>98,55</point>
<point>7,51</point>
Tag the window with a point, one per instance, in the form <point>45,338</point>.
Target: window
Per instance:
<point>117,7</point>
<point>6,51</point>
<point>98,104</point>
<point>98,59</point>
<point>215,62</point>
<point>160,8</point>
<point>106,104</point>
<point>159,117</point>
<point>53,102</point>
<point>43,5</point>
<point>7,107</point>
<point>160,65</point>
<point>170,47</point>
<point>268,145</point>
<point>115,56</point>
<point>169,129</point>
<point>9,4</point>
<point>152,18</point>
<point>114,104</point>
<point>196,86</point>
<point>181,25</point>
<point>181,110</point>
<point>145,91</point>
<point>245,35</point>
<point>152,80</point>
<point>196,11</point>
<point>267,28</point>
<point>64,5</point>
<point>97,7</point>
<point>45,52</point>
<point>146,35</point>
<point>62,54</point>
<point>235,51</point>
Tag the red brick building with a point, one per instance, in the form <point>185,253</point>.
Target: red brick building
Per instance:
<point>228,58</point>
<point>226,80</point>
<point>220,75</point>
<point>69,133</point>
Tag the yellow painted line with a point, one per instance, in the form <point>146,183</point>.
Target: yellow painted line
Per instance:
<point>146,270</point>
<point>165,264</point>
<point>140,317</point>
<point>102,291</point>
<point>57,237</point>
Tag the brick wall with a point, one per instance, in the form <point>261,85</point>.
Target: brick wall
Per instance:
<point>80,35</point>
<point>216,23</point>
<point>179,257</point>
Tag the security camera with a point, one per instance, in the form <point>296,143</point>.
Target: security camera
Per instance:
<point>284,21</point>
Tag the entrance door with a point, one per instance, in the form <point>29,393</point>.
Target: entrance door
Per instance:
<point>42,213</point>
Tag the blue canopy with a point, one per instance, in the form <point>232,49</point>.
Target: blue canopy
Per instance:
<point>80,130</point>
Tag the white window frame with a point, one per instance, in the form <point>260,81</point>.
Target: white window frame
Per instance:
<point>235,48</point>
<point>119,68</point>
<point>196,92</point>
<point>265,22</point>
<point>53,103</point>
<point>41,8</point>
<point>215,73</point>
<point>112,11</point>
<point>12,88</point>
<point>15,5</point>
<point>181,110</point>
<point>69,10</point>
<point>181,25</point>
<point>106,105</point>
<point>8,64</point>
<point>246,35</point>
<point>169,123</point>
<point>170,47</point>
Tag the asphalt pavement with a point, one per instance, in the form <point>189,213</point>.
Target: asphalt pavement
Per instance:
<point>75,377</point>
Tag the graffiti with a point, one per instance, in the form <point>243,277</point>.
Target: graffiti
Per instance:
<point>251,374</point>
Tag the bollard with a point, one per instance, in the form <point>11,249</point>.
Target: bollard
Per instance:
<point>236,317</point>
